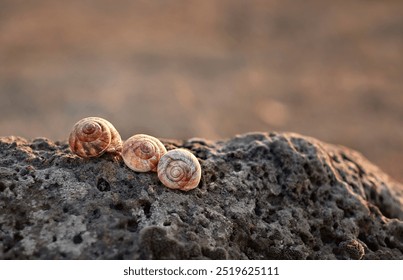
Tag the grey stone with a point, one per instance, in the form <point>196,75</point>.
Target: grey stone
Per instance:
<point>262,196</point>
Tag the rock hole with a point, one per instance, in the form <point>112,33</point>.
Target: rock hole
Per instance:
<point>17,237</point>
<point>389,243</point>
<point>237,167</point>
<point>11,187</point>
<point>103,185</point>
<point>65,209</point>
<point>77,239</point>
<point>326,236</point>
<point>304,237</point>
<point>2,186</point>
<point>132,225</point>
<point>167,223</point>
<point>46,206</point>
<point>313,196</point>
<point>19,225</point>
<point>369,241</point>
<point>146,205</point>
<point>95,214</point>
<point>349,213</point>
<point>255,170</point>
<point>258,210</point>
<point>118,206</point>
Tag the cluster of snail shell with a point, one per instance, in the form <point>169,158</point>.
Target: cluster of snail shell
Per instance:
<point>176,169</point>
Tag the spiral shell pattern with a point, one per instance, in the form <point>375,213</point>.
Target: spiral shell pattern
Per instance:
<point>179,169</point>
<point>93,136</point>
<point>142,152</point>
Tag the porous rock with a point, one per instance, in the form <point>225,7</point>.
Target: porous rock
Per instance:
<point>262,196</point>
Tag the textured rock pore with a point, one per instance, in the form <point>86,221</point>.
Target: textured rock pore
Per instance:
<point>261,196</point>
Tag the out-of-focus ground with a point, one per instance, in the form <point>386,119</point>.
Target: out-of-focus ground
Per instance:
<point>178,69</point>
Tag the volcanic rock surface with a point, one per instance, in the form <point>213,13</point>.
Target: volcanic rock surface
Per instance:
<point>262,196</point>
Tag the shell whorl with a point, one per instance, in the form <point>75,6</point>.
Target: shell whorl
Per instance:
<point>142,152</point>
<point>179,169</point>
<point>93,136</point>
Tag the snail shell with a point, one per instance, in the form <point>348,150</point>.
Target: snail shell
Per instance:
<point>93,136</point>
<point>179,169</point>
<point>142,152</point>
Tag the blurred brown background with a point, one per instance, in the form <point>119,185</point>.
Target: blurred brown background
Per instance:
<point>178,69</point>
